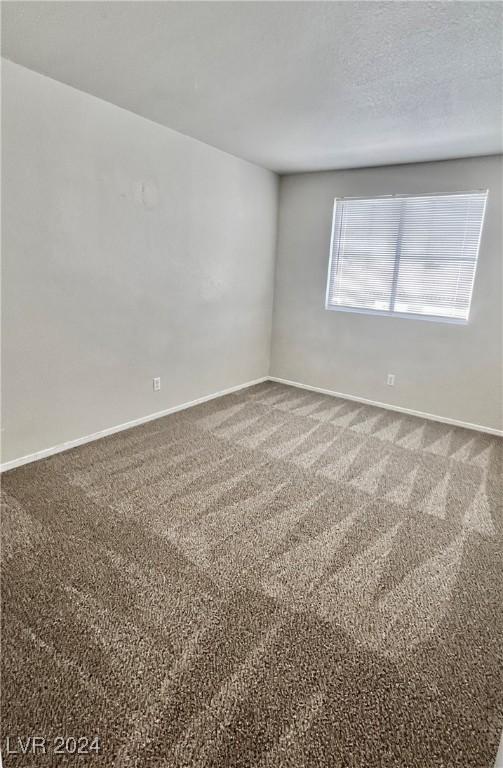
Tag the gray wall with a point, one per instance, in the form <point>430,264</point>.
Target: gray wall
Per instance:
<point>129,251</point>
<point>453,371</point>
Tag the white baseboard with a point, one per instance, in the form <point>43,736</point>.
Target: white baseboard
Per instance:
<point>410,411</point>
<point>152,416</point>
<point>120,427</point>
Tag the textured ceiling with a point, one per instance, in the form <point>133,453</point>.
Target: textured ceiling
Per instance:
<point>290,86</point>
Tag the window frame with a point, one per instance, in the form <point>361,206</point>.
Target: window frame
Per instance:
<point>388,312</point>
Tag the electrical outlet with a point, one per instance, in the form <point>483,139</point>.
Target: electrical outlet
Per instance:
<point>157,383</point>
<point>391,380</point>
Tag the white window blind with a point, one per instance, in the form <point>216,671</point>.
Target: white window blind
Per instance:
<point>406,255</point>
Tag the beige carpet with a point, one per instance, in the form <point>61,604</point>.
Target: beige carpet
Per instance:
<point>275,578</point>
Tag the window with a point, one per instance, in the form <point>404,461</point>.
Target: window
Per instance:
<point>411,256</point>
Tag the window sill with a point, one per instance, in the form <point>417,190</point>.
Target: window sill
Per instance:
<point>403,315</point>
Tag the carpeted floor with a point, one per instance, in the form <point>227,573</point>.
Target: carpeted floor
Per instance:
<point>273,579</point>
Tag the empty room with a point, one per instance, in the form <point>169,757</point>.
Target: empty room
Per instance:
<point>252,384</point>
